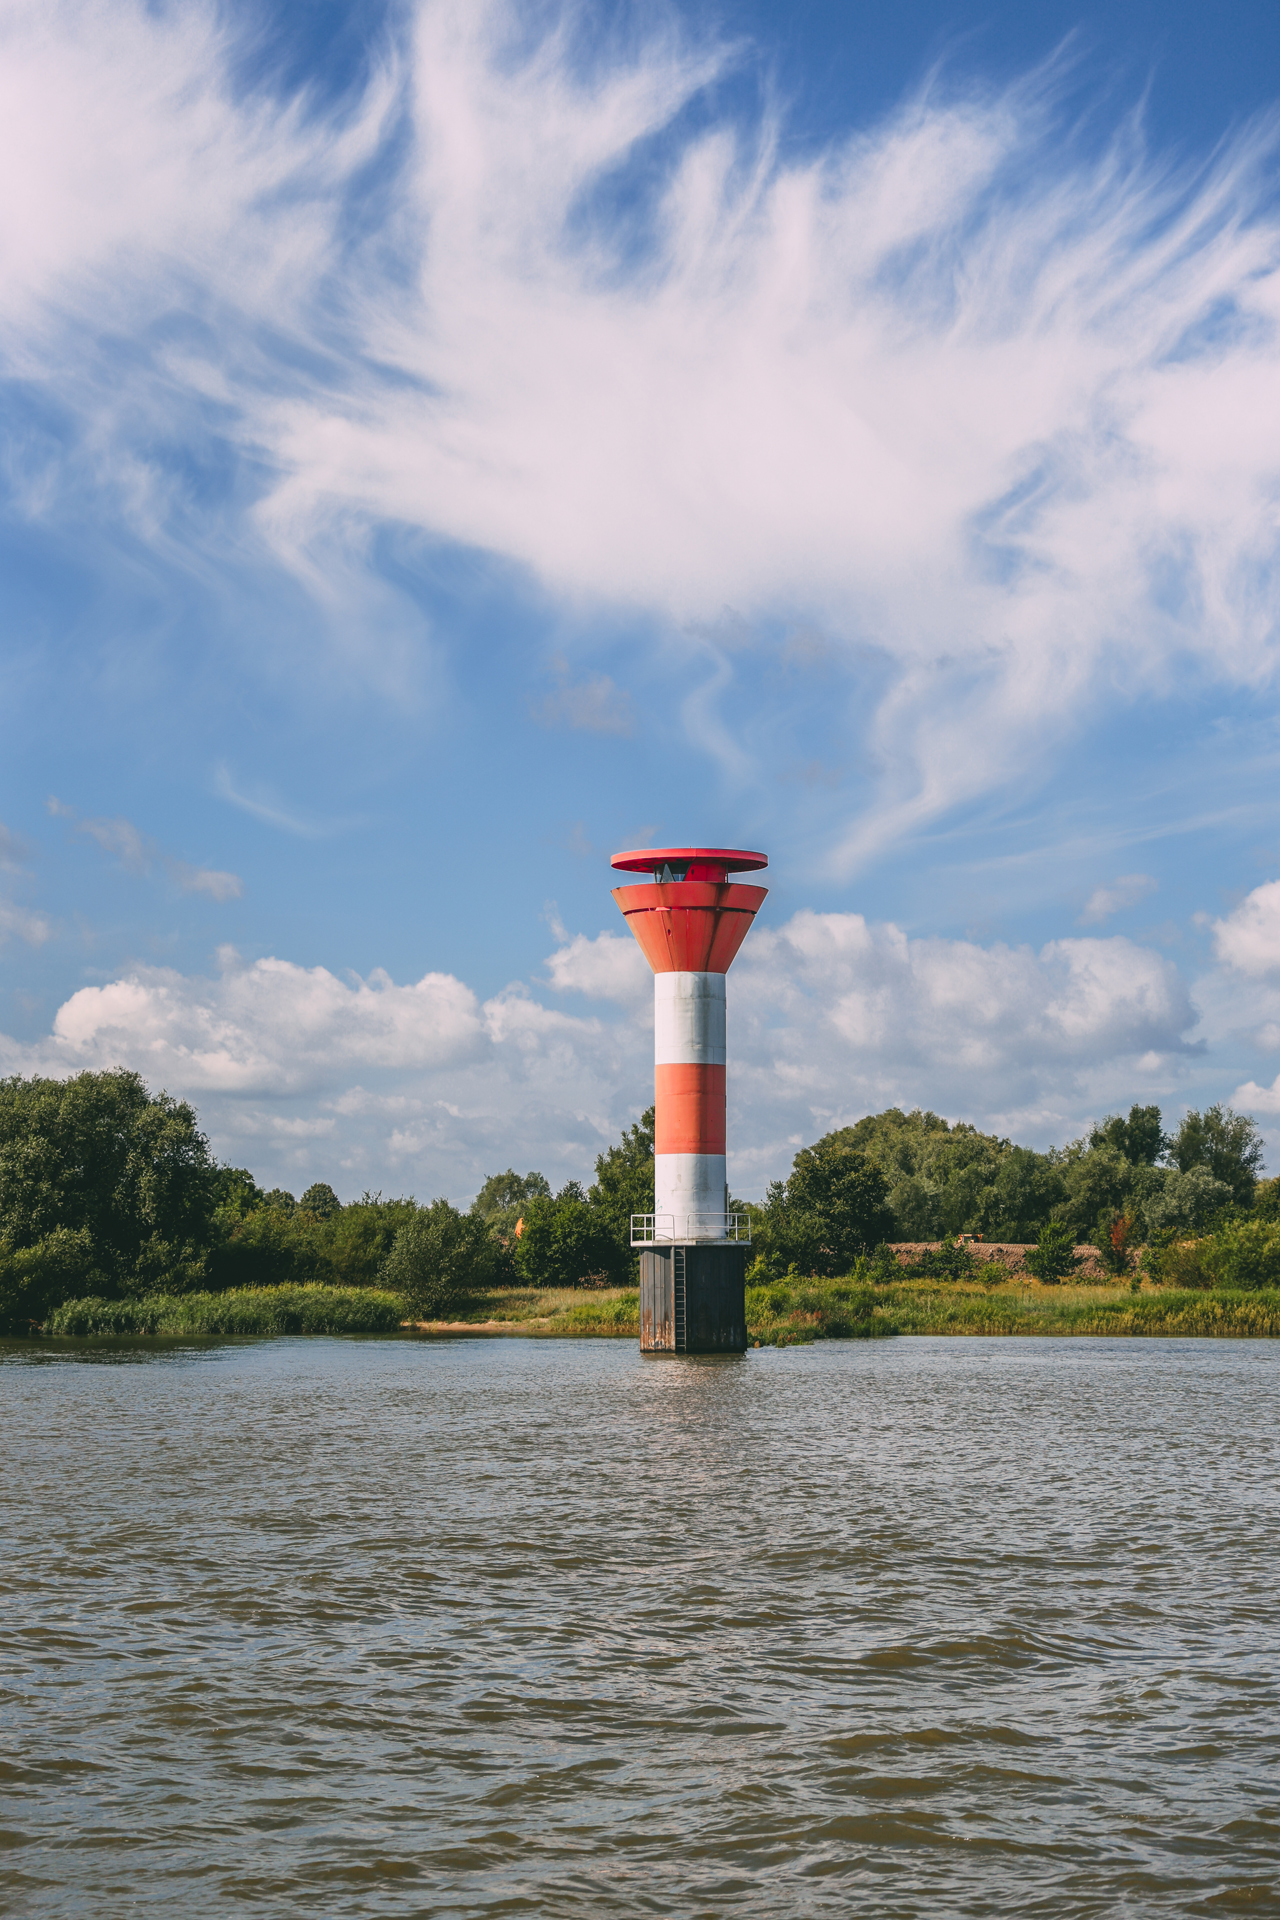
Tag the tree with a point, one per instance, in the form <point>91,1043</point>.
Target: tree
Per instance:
<point>1140,1138</point>
<point>566,1241</point>
<point>99,1155</point>
<point>1114,1237</point>
<point>320,1201</point>
<point>1054,1256</point>
<point>1185,1200</point>
<point>1024,1193</point>
<point>439,1258</point>
<point>504,1196</point>
<point>624,1179</point>
<point>1228,1144</point>
<point>236,1192</point>
<point>834,1207</point>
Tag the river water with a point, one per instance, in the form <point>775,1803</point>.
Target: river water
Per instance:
<point>537,1627</point>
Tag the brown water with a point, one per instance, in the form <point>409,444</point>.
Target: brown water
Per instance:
<point>535,1627</point>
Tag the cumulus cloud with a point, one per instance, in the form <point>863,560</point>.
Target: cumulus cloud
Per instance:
<point>366,1081</point>
<point>1127,891</point>
<point>1248,939</point>
<point>991,408</point>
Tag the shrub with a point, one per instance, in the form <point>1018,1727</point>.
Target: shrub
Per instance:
<point>1113,1237</point>
<point>951,1261</point>
<point>35,1280</point>
<point>1173,1262</point>
<point>1053,1257</point>
<point>439,1258</point>
<point>569,1243</point>
<point>1245,1254</point>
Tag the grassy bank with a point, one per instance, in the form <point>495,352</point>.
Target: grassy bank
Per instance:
<point>247,1310</point>
<point>786,1313</point>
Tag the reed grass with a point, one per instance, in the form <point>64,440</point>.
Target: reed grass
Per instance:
<point>271,1310</point>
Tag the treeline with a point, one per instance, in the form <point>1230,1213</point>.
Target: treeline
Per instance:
<point>898,1176</point>
<point>111,1193</point>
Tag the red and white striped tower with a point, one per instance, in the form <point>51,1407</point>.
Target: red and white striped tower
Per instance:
<point>690,923</point>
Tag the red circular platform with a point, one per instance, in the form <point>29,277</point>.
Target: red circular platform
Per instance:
<point>723,860</point>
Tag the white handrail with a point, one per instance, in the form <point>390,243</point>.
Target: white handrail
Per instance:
<point>658,1229</point>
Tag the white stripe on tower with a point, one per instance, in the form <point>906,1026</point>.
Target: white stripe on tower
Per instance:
<point>689,1097</point>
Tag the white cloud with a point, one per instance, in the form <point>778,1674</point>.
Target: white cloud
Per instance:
<point>593,705</point>
<point>1127,891</point>
<point>13,851</point>
<point>1248,939</point>
<point>608,967</point>
<point>368,1082</point>
<point>993,408</point>
<point>218,885</point>
<point>138,853</point>
<point>32,927</point>
<point>121,838</point>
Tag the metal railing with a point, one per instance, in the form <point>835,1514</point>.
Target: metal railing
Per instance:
<point>658,1229</point>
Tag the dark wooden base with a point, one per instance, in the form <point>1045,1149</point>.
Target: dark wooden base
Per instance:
<point>693,1298</point>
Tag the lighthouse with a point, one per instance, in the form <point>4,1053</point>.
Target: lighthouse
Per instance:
<point>690,918</point>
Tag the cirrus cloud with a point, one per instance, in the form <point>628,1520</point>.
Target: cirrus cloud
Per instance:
<point>989,407</point>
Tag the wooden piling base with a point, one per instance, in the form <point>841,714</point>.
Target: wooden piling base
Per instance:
<point>693,1297</point>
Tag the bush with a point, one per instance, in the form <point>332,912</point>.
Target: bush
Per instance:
<point>951,1261</point>
<point>439,1258</point>
<point>1173,1262</point>
<point>1245,1255</point>
<point>1113,1237</point>
<point>569,1243</point>
<point>1053,1257</point>
<point>35,1280</point>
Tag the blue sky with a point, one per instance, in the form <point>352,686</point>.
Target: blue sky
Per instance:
<point>444,444</point>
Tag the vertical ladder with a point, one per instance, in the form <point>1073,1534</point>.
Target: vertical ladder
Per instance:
<point>678,1291</point>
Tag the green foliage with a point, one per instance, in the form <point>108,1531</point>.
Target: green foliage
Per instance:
<point>1053,1257</point>
<point>1185,1202</point>
<point>503,1198</point>
<point>1227,1144</point>
<point>236,1192</point>
<point>567,1242</point>
<point>1140,1139</point>
<point>97,1176</point>
<point>1114,1237</point>
<point>624,1181</point>
<point>795,1312</point>
<point>320,1201</point>
<point>832,1210</point>
<point>1266,1199</point>
<point>270,1310</point>
<point>34,1280</point>
<point>951,1261</point>
<point>1244,1255</point>
<point>440,1258</point>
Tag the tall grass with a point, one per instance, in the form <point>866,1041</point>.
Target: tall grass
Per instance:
<point>288,1309</point>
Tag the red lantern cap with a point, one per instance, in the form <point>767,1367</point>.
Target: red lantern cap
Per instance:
<point>690,863</point>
